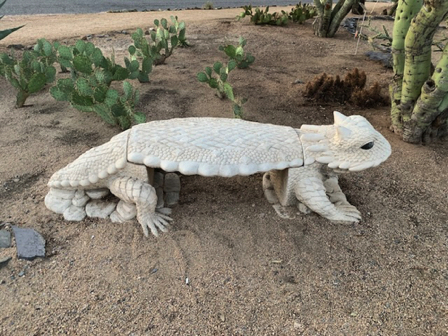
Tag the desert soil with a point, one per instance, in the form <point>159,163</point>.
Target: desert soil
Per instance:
<point>249,272</point>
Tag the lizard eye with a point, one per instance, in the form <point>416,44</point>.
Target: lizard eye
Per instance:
<point>367,145</point>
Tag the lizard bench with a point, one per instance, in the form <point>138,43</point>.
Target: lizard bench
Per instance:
<point>300,165</point>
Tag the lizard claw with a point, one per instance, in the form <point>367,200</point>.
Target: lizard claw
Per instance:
<point>155,221</point>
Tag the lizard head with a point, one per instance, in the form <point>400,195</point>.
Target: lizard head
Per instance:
<point>350,144</point>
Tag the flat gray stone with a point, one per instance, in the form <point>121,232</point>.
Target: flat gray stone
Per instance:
<point>4,261</point>
<point>29,243</point>
<point>5,239</point>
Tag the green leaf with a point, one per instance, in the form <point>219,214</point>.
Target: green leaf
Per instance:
<point>143,77</point>
<point>97,57</point>
<point>6,32</point>
<point>231,65</point>
<point>103,111</point>
<point>37,82</point>
<point>128,90</point>
<point>66,85</point>
<point>58,94</point>
<point>120,73</point>
<point>118,110</point>
<point>174,41</point>
<point>100,93</point>
<point>83,87</point>
<point>65,63</point>
<point>238,111</point>
<point>65,52</point>
<point>111,97</point>
<point>134,66</point>
<point>80,46</point>
<point>132,50</point>
<point>217,67</point>
<point>223,76</point>
<point>82,64</point>
<point>139,117</point>
<point>164,23</point>
<point>90,48</point>
<point>213,83</point>
<point>230,51</point>
<point>208,71</point>
<point>50,73</point>
<point>78,99</point>
<point>156,22</point>
<point>14,82</point>
<point>147,65</point>
<point>239,51</point>
<point>124,122</point>
<point>228,90</point>
<point>47,48</point>
<point>202,77</point>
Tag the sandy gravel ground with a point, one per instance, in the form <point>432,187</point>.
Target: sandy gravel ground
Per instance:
<point>250,272</point>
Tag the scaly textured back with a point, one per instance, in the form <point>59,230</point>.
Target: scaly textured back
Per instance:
<point>214,146</point>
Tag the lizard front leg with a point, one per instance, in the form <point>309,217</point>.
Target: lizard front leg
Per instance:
<point>325,198</point>
<point>337,197</point>
<point>143,195</point>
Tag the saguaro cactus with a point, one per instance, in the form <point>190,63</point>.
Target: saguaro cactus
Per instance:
<point>419,108</point>
<point>328,18</point>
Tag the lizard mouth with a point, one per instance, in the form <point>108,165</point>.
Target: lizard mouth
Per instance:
<point>354,167</point>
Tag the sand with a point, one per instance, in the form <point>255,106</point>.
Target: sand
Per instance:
<point>249,271</point>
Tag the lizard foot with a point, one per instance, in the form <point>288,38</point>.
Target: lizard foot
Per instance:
<point>154,222</point>
<point>346,213</point>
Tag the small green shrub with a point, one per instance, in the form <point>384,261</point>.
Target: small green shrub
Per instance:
<point>6,32</point>
<point>208,5</point>
<point>32,72</point>
<point>88,89</point>
<point>300,13</point>
<point>216,78</point>
<point>161,44</point>
<point>243,60</point>
<point>261,17</point>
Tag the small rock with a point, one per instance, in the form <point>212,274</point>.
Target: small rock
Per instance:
<point>4,261</point>
<point>16,46</point>
<point>74,214</point>
<point>172,183</point>
<point>97,193</point>
<point>298,81</point>
<point>30,244</point>
<point>5,239</point>
<point>99,209</point>
<point>16,180</point>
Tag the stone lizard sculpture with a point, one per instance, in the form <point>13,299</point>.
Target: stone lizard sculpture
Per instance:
<point>301,165</point>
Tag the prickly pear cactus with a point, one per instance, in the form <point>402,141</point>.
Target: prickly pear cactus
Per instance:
<point>88,88</point>
<point>163,40</point>
<point>32,72</point>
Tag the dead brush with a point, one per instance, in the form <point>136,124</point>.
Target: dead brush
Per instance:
<point>326,89</point>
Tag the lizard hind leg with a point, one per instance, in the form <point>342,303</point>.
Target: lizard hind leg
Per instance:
<point>143,195</point>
